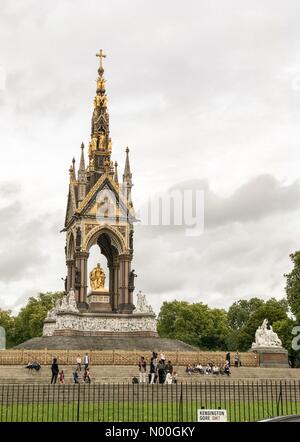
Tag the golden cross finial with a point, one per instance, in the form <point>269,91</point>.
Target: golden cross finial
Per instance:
<point>101,55</point>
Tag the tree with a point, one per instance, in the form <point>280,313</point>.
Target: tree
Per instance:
<point>240,312</point>
<point>7,321</point>
<point>284,329</point>
<point>293,285</point>
<point>29,322</point>
<point>195,324</point>
<point>215,335</point>
<point>272,309</point>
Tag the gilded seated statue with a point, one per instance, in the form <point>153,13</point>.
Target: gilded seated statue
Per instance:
<point>97,278</point>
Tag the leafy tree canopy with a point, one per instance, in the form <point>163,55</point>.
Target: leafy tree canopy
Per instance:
<point>293,285</point>
<point>29,322</point>
<point>195,324</point>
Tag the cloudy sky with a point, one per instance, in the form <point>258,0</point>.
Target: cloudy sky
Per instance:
<point>205,94</point>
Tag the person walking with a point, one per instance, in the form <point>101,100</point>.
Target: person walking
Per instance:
<point>142,370</point>
<point>228,358</point>
<point>54,371</point>
<point>236,360</point>
<point>86,361</point>
<point>76,376</point>
<point>87,376</point>
<point>79,362</point>
<point>152,370</point>
<point>61,377</point>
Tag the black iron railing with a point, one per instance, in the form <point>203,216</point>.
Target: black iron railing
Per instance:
<point>244,401</point>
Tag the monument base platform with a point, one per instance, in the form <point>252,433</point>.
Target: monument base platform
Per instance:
<point>272,357</point>
<point>131,343</point>
<point>76,323</point>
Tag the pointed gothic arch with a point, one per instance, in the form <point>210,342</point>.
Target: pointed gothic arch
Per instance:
<point>113,233</point>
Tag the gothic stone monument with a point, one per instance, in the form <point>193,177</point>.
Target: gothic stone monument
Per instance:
<point>269,347</point>
<point>100,212</point>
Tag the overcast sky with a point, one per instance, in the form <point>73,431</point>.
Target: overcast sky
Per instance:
<point>205,93</point>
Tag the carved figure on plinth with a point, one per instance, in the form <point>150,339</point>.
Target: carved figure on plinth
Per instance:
<point>142,305</point>
<point>77,277</point>
<point>132,275</point>
<point>266,337</point>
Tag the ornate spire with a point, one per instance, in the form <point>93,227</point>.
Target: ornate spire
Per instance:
<point>127,175</point>
<point>72,172</point>
<point>82,163</point>
<point>116,178</point>
<point>127,179</point>
<point>82,176</point>
<point>100,145</point>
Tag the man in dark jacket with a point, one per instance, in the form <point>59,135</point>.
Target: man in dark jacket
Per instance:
<point>161,368</point>
<point>55,371</point>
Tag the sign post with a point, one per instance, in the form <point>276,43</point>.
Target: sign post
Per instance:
<point>212,415</point>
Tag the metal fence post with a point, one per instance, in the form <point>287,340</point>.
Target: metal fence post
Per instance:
<point>279,400</point>
<point>78,403</point>
<point>181,405</point>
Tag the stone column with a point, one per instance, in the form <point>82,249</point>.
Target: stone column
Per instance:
<point>116,290</point>
<point>125,305</point>
<point>82,285</point>
<point>111,284</point>
<point>71,274</point>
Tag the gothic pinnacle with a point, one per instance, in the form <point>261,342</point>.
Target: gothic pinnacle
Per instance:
<point>82,164</point>
<point>116,173</point>
<point>127,174</point>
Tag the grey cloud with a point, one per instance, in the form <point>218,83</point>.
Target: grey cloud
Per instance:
<point>9,189</point>
<point>259,197</point>
<point>243,252</point>
<point>206,90</point>
<point>23,249</point>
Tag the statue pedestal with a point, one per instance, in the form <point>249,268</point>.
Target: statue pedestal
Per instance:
<point>66,319</point>
<point>271,356</point>
<point>99,301</point>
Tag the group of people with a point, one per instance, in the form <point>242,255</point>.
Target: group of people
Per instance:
<point>210,368</point>
<point>160,370</point>
<point>237,359</point>
<point>59,374</point>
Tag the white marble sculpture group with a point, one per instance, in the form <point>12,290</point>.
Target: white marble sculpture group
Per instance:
<point>266,337</point>
<point>142,305</point>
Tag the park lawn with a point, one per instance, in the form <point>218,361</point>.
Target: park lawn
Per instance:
<point>242,411</point>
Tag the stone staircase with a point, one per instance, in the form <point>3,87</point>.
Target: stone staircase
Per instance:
<point>18,374</point>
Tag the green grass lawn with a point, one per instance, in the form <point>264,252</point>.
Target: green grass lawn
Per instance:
<point>247,411</point>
